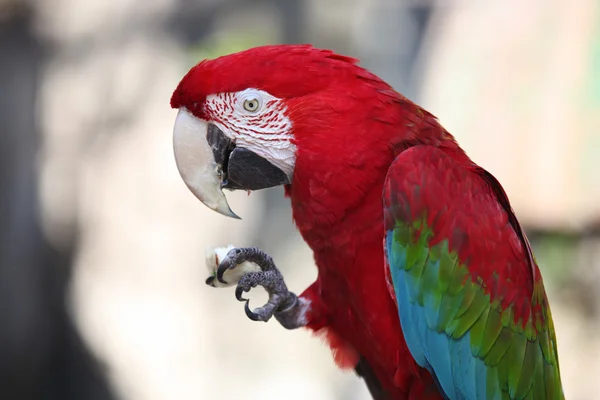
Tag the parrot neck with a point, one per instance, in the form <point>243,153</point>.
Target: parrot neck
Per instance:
<point>331,221</point>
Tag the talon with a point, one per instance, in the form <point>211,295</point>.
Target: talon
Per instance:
<point>238,293</point>
<point>209,281</point>
<point>253,316</point>
<point>224,266</point>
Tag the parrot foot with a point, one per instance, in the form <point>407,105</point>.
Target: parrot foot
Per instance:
<point>282,303</point>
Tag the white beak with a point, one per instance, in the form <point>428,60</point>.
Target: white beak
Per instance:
<point>196,162</point>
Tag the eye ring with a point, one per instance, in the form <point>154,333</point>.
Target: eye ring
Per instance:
<point>251,105</point>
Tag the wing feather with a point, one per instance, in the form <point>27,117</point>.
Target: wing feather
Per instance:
<point>469,293</point>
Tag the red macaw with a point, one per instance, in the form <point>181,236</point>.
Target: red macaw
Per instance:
<point>427,284</point>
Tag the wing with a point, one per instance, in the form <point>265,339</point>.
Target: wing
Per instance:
<point>470,296</point>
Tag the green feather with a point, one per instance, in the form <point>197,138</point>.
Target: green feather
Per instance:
<point>459,277</point>
<point>466,320</point>
<point>491,333</point>
<point>525,380</point>
<point>499,347</point>
<point>507,316</point>
<point>448,306</point>
<point>401,239</point>
<point>550,378</point>
<point>448,262</point>
<point>478,330</point>
<point>468,295</point>
<point>514,358</point>
<point>521,359</point>
<point>544,341</point>
<point>503,371</point>
<point>539,385</point>
<point>492,388</point>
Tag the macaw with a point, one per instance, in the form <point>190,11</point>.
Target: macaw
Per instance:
<point>427,285</point>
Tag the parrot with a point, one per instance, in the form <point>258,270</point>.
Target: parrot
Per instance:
<point>427,285</point>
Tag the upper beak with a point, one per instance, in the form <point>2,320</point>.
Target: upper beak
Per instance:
<point>196,163</point>
<point>209,161</point>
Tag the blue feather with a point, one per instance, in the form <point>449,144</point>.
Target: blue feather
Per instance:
<point>459,374</point>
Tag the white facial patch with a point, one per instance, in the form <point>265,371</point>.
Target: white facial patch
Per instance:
<point>257,121</point>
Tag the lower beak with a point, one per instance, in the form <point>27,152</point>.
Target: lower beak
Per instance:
<point>209,161</point>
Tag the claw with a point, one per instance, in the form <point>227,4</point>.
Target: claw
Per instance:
<point>253,316</point>
<point>239,290</point>
<point>224,266</point>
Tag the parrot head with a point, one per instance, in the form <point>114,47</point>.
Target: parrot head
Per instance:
<point>277,115</point>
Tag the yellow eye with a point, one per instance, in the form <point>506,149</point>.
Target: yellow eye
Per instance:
<point>251,105</point>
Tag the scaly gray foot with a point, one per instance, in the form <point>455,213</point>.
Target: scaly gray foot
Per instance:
<point>282,303</point>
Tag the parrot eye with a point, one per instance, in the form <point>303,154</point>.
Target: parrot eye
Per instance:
<point>251,105</point>
<point>249,101</point>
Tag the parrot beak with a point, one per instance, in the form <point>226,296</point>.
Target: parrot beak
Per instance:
<point>196,162</point>
<point>209,161</point>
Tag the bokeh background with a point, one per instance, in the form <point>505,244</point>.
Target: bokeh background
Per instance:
<point>102,293</point>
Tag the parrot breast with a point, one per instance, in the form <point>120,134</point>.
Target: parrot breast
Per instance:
<point>364,320</point>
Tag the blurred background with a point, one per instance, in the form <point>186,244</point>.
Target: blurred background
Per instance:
<point>102,293</point>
